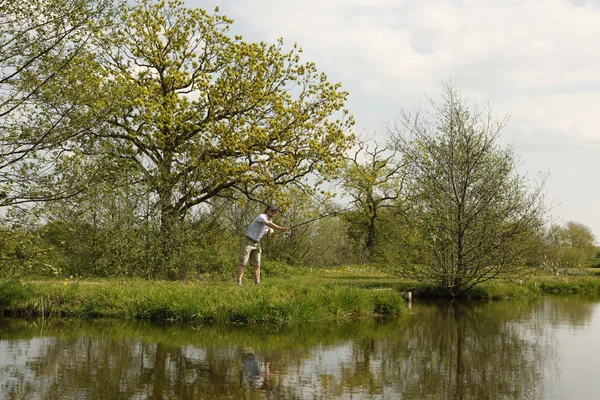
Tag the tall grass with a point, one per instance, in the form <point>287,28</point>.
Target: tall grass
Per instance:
<point>178,302</point>
<point>570,285</point>
<point>534,287</point>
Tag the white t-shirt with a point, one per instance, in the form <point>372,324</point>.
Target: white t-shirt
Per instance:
<point>257,228</point>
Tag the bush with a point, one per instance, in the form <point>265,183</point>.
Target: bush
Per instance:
<point>13,291</point>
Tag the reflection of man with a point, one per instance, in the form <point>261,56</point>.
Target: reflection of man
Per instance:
<point>258,377</point>
<point>266,376</point>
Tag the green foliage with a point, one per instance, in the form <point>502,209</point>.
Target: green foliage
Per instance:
<point>373,184</point>
<point>329,244</point>
<point>40,41</point>
<point>499,290</point>
<point>199,115</point>
<point>592,263</point>
<point>24,253</point>
<point>577,272</point>
<point>568,246</point>
<point>396,241</point>
<point>570,285</point>
<point>122,245</point>
<point>472,213</point>
<point>12,291</point>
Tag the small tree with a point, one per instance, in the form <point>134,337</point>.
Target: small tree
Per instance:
<point>580,239</point>
<point>473,213</point>
<point>568,246</point>
<point>373,180</point>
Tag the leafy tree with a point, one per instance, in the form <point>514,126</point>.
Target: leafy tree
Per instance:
<point>108,230</point>
<point>204,115</point>
<point>39,40</point>
<point>580,238</point>
<point>568,246</point>
<point>372,179</point>
<point>473,213</point>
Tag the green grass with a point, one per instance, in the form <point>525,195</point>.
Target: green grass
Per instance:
<point>592,263</point>
<point>569,284</point>
<point>293,297</point>
<point>280,302</point>
<point>501,290</point>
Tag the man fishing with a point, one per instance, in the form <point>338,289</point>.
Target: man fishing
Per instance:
<point>250,248</point>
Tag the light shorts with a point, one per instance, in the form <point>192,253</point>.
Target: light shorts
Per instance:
<point>249,250</point>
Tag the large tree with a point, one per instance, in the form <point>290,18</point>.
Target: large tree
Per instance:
<point>203,114</point>
<point>473,212</point>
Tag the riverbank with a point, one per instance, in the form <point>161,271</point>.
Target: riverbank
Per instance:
<point>586,281</point>
<point>307,295</point>
<point>537,286</point>
<point>280,302</point>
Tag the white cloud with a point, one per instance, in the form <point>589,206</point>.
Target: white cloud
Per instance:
<point>536,60</point>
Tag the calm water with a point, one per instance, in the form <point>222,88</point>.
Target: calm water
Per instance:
<point>547,349</point>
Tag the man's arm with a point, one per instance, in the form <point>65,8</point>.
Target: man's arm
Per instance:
<point>275,226</point>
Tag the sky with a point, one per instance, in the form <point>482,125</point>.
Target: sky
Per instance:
<point>535,61</point>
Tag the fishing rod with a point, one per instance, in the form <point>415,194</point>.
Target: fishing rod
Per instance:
<point>333,214</point>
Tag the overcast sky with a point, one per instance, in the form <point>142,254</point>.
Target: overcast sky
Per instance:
<point>537,61</point>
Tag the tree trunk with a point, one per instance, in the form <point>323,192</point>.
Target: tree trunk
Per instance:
<point>168,233</point>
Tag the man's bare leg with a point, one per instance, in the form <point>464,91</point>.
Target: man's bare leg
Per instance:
<point>257,274</point>
<point>240,273</point>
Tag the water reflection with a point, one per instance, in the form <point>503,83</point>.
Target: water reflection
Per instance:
<point>507,350</point>
<point>457,351</point>
<point>257,372</point>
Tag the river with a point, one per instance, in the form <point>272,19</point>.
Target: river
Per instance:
<point>543,349</point>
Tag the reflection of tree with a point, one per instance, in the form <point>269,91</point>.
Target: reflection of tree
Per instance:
<point>462,352</point>
<point>107,369</point>
<point>447,351</point>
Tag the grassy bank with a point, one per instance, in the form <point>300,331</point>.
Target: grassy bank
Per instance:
<point>534,286</point>
<point>279,302</point>
<point>286,298</point>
